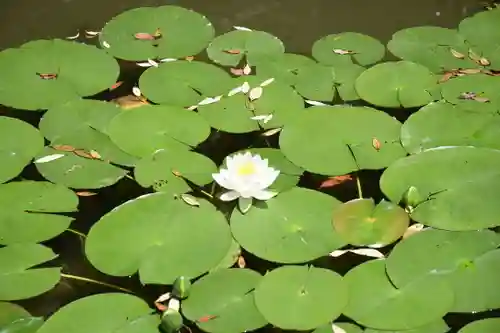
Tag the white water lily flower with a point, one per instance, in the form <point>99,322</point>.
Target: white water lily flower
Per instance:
<point>246,176</point>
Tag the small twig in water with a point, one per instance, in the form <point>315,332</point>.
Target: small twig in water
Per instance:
<point>84,279</point>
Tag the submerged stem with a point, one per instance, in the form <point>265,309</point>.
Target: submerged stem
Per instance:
<point>360,190</point>
<point>76,232</point>
<point>81,278</point>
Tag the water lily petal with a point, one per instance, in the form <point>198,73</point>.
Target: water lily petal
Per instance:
<point>229,196</point>
<point>222,178</point>
<point>264,194</point>
<point>269,177</point>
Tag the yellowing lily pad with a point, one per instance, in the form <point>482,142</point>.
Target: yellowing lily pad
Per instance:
<point>362,223</point>
<point>174,32</point>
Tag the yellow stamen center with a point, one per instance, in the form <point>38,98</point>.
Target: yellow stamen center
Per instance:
<point>246,169</point>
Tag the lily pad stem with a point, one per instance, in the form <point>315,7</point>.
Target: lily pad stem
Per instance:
<point>84,279</point>
<point>360,190</point>
<point>76,232</point>
<point>206,193</point>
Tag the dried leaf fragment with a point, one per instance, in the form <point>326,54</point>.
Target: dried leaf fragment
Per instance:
<point>116,85</point>
<point>247,69</point>
<point>232,51</point>
<point>376,144</point>
<point>85,193</point>
<point>271,132</point>
<point>332,181</point>
<point>241,262</point>
<point>64,148</point>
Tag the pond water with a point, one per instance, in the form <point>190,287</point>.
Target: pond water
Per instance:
<point>297,23</point>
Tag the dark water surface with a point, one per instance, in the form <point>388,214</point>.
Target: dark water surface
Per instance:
<point>297,23</point>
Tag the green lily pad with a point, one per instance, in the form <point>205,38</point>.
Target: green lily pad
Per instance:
<point>438,326</point>
<point>375,303</point>
<point>301,297</point>
<point>225,299</point>
<point>184,83</point>
<point>17,279</point>
<point>444,124</point>
<point>457,184</point>
<point>82,124</point>
<point>167,170</point>
<point>338,149</point>
<point>483,86</point>
<point>362,223</point>
<point>347,327</point>
<point>27,211</point>
<point>482,326</point>
<point>231,257</point>
<point>482,32</point>
<point>293,227</point>
<point>464,259</point>
<point>81,70</point>
<point>15,319</point>
<point>397,84</point>
<point>23,325</point>
<point>439,49</point>
<point>19,143</point>
<point>106,313</point>
<point>289,173</point>
<point>183,33</point>
<point>233,113</point>
<point>230,48</point>
<point>10,312</point>
<point>78,172</point>
<point>365,49</point>
<point>143,130</point>
<point>161,237</point>
<point>283,67</point>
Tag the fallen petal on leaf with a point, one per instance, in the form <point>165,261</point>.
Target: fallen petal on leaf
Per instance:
<point>315,103</point>
<point>255,93</point>
<point>271,131</point>
<point>247,69</point>
<point>74,36</point>
<point>245,87</point>
<point>49,158</point>
<point>241,28</point>
<point>368,253</point>
<point>136,91</point>
<point>267,82</point>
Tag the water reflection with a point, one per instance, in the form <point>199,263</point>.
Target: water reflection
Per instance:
<point>297,23</point>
